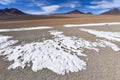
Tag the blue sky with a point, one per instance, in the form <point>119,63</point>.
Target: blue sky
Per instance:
<point>60,6</point>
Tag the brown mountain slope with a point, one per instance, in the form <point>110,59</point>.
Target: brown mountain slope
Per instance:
<point>114,11</point>
<point>9,11</point>
<point>75,12</point>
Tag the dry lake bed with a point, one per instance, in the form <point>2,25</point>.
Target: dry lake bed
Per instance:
<point>60,49</point>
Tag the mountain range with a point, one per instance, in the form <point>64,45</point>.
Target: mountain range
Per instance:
<point>14,11</point>
<point>11,11</point>
<point>78,12</point>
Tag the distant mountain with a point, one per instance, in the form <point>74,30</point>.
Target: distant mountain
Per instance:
<point>1,12</point>
<point>8,11</point>
<point>89,13</point>
<point>75,12</point>
<point>114,11</point>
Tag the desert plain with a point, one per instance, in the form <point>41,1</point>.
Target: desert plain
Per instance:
<point>99,65</point>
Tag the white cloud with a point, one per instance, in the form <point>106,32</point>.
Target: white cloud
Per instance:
<point>51,8</point>
<point>46,10</point>
<point>34,2</point>
<point>101,11</point>
<point>105,4</point>
<point>38,3</point>
<point>71,4</point>
<point>6,2</point>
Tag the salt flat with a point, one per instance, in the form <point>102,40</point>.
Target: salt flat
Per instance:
<point>58,52</point>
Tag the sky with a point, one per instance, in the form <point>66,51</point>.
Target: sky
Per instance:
<point>60,6</point>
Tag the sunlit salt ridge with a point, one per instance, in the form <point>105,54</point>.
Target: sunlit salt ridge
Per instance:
<point>114,36</point>
<point>24,29</point>
<point>92,24</point>
<point>4,38</point>
<point>4,42</point>
<point>60,54</point>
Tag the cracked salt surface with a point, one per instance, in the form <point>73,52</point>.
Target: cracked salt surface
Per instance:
<point>92,24</point>
<point>111,36</point>
<point>114,36</point>
<point>60,54</point>
<point>4,42</point>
